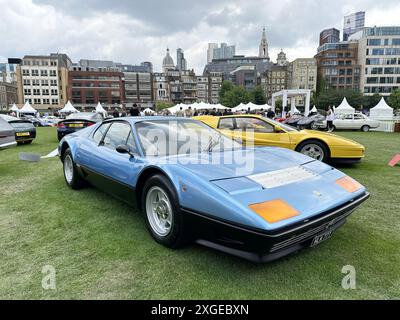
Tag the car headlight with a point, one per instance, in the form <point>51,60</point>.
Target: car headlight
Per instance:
<point>349,184</point>
<point>274,211</point>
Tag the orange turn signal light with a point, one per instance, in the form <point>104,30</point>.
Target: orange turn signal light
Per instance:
<point>274,211</point>
<point>349,184</point>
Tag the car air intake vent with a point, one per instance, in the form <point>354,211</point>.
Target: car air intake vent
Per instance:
<point>282,177</point>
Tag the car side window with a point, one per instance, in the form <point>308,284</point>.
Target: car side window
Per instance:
<point>130,142</point>
<point>99,134</point>
<point>117,135</point>
<point>258,125</point>
<point>348,117</point>
<point>226,123</point>
<point>358,117</point>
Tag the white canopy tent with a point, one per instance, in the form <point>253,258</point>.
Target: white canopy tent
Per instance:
<point>15,109</point>
<point>381,111</point>
<point>219,106</point>
<point>314,110</point>
<point>294,110</point>
<point>344,108</point>
<point>100,109</point>
<point>149,111</point>
<point>177,107</point>
<point>27,108</point>
<point>68,108</point>
<point>240,107</point>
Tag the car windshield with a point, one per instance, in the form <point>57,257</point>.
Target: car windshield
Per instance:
<point>177,137</point>
<point>282,125</point>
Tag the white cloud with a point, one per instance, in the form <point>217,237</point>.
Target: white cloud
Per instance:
<point>131,32</point>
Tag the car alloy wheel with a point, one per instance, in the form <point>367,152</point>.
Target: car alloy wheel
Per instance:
<point>365,128</point>
<point>159,211</point>
<point>68,169</point>
<point>314,126</point>
<point>314,151</point>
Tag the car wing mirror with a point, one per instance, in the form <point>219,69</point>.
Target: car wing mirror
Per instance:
<point>124,149</point>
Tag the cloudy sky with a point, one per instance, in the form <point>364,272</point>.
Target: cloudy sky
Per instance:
<point>131,31</point>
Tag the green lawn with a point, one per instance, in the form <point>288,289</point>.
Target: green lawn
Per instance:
<point>101,249</point>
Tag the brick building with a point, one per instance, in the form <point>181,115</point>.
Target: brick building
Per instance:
<point>87,88</point>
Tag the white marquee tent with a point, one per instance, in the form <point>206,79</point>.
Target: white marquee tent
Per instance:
<point>100,109</point>
<point>149,111</point>
<point>27,108</point>
<point>240,107</point>
<point>381,111</point>
<point>344,108</point>
<point>14,107</point>
<point>68,108</point>
<point>219,106</point>
<point>314,110</point>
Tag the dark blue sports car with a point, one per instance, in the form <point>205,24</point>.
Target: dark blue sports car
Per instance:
<point>77,121</point>
<point>194,184</point>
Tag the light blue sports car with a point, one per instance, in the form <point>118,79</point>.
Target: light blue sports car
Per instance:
<point>194,184</point>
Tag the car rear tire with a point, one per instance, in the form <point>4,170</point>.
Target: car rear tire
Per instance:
<point>314,149</point>
<point>365,128</point>
<point>71,175</point>
<point>163,216</point>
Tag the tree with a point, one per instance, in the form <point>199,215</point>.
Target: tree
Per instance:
<point>371,101</point>
<point>231,95</point>
<point>258,96</point>
<point>226,87</point>
<point>161,105</point>
<point>394,99</point>
<point>331,97</point>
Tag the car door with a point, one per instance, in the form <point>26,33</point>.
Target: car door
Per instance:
<point>253,130</point>
<point>345,121</point>
<point>7,134</point>
<point>359,121</point>
<point>105,167</point>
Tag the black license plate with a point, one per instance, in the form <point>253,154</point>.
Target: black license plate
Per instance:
<point>321,238</point>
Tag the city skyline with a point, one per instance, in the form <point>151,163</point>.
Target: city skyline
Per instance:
<point>132,32</point>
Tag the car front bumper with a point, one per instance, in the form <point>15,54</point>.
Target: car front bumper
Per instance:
<point>261,246</point>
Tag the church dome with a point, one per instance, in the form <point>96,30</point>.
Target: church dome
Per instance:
<point>168,62</point>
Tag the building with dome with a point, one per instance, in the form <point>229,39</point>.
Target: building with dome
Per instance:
<point>168,62</point>
<point>282,60</point>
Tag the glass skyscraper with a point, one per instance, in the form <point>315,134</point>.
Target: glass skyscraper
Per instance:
<point>353,23</point>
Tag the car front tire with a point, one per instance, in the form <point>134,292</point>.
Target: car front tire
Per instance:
<point>163,216</point>
<point>314,149</point>
<point>71,175</point>
<point>365,128</point>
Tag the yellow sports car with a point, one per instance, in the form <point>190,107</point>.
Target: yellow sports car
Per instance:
<point>261,131</point>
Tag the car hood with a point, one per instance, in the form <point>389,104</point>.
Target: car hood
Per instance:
<point>239,163</point>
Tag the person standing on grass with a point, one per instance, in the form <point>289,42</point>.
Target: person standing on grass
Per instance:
<point>330,116</point>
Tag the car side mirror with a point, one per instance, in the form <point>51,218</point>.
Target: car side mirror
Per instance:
<point>278,129</point>
<point>124,149</point>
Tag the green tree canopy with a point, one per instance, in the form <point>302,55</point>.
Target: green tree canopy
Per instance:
<point>231,95</point>
<point>258,96</point>
<point>161,105</point>
<point>394,99</point>
<point>331,97</point>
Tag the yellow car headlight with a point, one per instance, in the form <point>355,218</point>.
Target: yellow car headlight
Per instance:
<point>274,210</point>
<point>349,184</point>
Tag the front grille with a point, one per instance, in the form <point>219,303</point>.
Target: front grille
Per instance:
<point>298,238</point>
